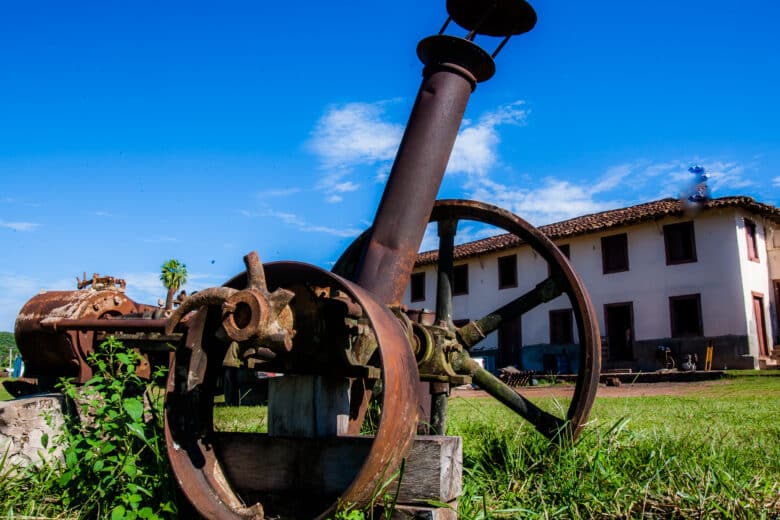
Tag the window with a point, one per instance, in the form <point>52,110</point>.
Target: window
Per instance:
<point>680,243</point>
<point>507,271</point>
<point>418,287</point>
<point>614,253</point>
<point>686,315</point>
<point>460,279</point>
<point>510,343</point>
<point>619,323</point>
<point>561,327</point>
<point>750,236</point>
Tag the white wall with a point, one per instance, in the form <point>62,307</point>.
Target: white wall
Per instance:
<point>755,276</point>
<point>716,276</point>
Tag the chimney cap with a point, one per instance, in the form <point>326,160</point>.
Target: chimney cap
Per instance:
<point>493,18</point>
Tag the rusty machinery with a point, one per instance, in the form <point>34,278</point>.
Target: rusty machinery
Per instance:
<point>346,325</point>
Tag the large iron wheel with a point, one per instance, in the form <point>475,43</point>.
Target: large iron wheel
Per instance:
<point>215,469</point>
<point>562,280</point>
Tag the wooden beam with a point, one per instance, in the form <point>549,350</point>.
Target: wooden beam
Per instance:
<point>308,406</point>
<point>258,464</point>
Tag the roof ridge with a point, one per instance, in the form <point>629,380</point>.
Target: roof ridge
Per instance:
<point>603,220</point>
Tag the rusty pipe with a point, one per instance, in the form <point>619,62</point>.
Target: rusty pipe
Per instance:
<point>106,325</point>
<point>403,213</point>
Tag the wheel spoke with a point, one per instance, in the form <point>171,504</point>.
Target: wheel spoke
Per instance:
<point>549,425</point>
<point>440,391</point>
<point>444,280</point>
<point>475,331</point>
<point>562,280</point>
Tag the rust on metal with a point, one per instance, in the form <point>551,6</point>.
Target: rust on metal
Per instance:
<point>196,464</point>
<point>54,329</point>
<point>297,319</point>
<point>563,280</point>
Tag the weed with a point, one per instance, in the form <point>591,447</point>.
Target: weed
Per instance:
<point>115,448</point>
<point>114,463</point>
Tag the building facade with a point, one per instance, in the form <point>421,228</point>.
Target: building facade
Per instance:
<point>658,274</point>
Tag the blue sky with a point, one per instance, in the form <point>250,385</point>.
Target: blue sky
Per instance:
<point>131,133</point>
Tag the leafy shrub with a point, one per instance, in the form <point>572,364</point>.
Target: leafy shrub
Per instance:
<point>114,459</point>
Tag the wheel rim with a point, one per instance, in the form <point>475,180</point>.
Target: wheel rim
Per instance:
<point>568,428</point>
<point>196,463</point>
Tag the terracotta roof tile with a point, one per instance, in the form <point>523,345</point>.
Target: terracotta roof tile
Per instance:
<point>603,221</point>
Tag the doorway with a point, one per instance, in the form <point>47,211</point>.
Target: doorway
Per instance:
<point>619,321</point>
<point>510,343</point>
<point>758,315</point>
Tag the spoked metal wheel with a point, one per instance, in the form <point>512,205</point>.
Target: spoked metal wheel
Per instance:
<point>299,320</point>
<point>561,280</point>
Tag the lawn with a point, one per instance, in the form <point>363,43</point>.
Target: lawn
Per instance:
<point>711,453</point>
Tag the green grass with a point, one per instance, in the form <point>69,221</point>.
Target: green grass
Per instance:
<point>4,395</point>
<point>241,419</point>
<point>712,454</point>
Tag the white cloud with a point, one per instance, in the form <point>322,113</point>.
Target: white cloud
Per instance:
<point>620,185</point>
<point>344,187</point>
<point>19,226</point>
<point>728,176</point>
<point>16,289</point>
<point>348,136</point>
<point>102,214</point>
<point>554,200</point>
<point>475,150</point>
<point>278,192</point>
<point>382,173</point>
<point>146,287</point>
<point>356,134</point>
<point>776,181</point>
<point>300,224</point>
<point>612,178</point>
<point>672,178</point>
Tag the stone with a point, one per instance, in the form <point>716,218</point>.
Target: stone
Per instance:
<point>23,425</point>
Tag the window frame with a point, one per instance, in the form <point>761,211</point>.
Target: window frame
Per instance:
<point>460,268</point>
<point>751,240</point>
<point>674,326</point>
<point>501,260</point>
<point>569,332</point>
<point>418,278</point>
<point>689,236</point>
<point>613,241</point>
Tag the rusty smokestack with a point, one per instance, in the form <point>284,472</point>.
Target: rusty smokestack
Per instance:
<point>452,68</point>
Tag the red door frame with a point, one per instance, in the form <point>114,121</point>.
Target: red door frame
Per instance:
<point>758,314</point>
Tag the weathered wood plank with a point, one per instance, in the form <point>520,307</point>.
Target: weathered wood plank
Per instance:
<point>326,466</point>
<point>405,512</point>
<point>308,406</point>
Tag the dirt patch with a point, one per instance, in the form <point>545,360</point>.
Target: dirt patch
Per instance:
<point>624,390</point>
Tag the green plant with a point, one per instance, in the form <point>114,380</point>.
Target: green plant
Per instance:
<point>708,452</point>
<point>173,275</point>
<point>114,457</point>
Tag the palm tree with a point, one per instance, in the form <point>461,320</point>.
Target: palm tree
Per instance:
<point>173,276</point>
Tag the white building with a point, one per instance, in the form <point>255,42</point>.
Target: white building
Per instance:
<point>657,275</point>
